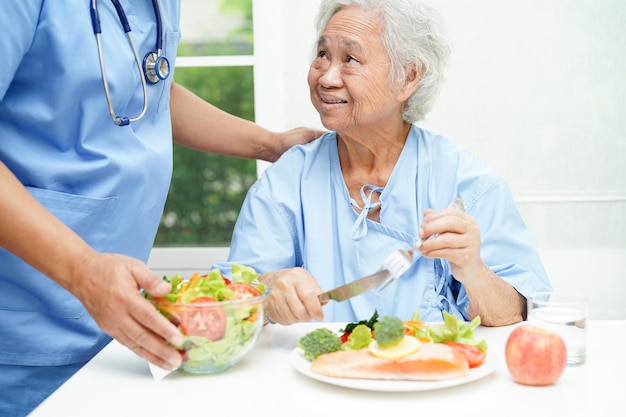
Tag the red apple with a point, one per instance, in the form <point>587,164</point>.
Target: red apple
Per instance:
<point>535,356</point>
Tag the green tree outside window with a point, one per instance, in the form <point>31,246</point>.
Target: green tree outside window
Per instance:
<point>207,190</point>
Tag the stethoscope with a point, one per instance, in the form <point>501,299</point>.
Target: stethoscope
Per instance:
<point>155,67</point>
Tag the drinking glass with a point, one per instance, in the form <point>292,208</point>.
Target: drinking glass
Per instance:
<point>566,314</point>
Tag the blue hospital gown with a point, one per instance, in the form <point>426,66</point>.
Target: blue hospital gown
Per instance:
<point>299,214</point>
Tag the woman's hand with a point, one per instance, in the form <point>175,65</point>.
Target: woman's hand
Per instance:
<point>108,286</point>
<point>492,298</point>
<point>458,240</point>
<point>293,296</point>
<point>297,136</point>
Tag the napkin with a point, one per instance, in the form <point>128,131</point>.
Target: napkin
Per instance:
<point>158,373</point>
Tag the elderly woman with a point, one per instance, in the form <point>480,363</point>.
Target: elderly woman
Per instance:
<point>331,211</point>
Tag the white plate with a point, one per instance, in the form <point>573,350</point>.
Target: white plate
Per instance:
<point>303,366</point>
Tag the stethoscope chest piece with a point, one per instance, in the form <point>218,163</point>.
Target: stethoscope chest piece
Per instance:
<point>156,67</point>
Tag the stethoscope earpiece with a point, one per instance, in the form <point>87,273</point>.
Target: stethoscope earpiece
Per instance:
<point>155,67</point>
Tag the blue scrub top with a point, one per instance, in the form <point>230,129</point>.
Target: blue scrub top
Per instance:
<point>299,214</point>
<point>108,183</point>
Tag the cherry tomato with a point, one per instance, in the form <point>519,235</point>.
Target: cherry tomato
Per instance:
<point>205,321</point>
<point>474,355</point>
<point>243,290</point>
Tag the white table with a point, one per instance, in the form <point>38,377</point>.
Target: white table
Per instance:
<point>118,383</point>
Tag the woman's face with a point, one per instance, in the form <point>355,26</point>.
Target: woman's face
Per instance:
<point>348,78</point>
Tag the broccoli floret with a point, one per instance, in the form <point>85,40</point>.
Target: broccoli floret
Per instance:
<point>318,342</point>
<point>388,331</point>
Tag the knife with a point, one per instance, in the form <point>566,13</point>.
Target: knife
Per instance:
<point>354,288</point>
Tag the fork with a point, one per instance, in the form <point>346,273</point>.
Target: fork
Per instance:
<point>401,260</point>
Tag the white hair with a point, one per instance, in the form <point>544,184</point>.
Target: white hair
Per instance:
<point>412,33</point>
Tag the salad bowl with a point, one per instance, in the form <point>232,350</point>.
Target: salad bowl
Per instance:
<point>220,318</point>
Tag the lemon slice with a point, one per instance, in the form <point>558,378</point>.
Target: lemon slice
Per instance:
<point>407,346</point>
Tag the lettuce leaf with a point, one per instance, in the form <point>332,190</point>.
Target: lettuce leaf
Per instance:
<point>456,330</point>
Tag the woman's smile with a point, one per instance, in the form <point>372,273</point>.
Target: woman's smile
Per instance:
<point>330,102</point>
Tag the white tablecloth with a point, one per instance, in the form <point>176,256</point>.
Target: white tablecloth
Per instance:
<point>118,383</point>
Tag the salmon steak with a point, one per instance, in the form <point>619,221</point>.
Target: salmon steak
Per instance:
<point>432,362</point>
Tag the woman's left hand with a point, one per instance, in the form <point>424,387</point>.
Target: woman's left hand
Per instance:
<point>457,240</point>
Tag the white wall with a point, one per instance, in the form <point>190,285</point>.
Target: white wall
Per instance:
<point>537,90</point>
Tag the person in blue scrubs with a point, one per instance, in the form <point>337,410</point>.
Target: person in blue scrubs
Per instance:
<point>333,210</point>
<point>81,197</point>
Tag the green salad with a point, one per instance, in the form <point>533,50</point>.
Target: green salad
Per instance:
<point>219,317</point>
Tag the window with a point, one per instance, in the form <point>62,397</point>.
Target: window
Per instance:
<point>214,61</point>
